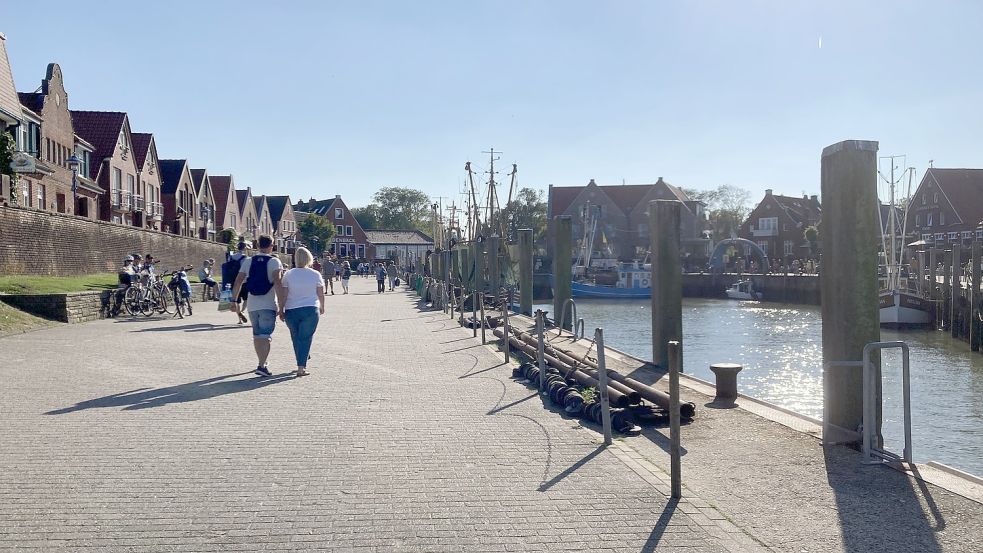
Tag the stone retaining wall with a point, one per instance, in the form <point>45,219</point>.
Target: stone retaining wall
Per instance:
<point>776,287</point>
<point>74,307</point>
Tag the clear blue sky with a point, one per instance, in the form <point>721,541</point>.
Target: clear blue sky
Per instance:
<point>324,98</point>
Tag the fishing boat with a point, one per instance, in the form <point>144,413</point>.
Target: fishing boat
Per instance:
<point>900,301</point>
<point>743,290</point>
<point>634,281</point>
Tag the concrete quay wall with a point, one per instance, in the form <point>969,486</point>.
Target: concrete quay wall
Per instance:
<point>776,287</point>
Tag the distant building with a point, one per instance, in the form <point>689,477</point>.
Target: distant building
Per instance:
<point>350,239</point>
<point>113,164</point>
<point>406,247</point>
<point>248,219</point>
<point>226,203</point>
<point>947,207</point>
<point>148,205</point>
<point>284,222</point>
<point>179,198</point>
<point>622,217</point>
<point>263,216</point>
<point>777,225</point>
<point>204,204</point>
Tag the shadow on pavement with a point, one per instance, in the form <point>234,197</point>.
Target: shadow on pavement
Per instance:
<point>198,327</point>
<point>867,497</point>
<point>571,469</point>
<point>143,398</point>
<point>652,543</point>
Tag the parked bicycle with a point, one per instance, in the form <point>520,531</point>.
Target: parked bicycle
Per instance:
<point>148,295</point>
<point>180,288</point>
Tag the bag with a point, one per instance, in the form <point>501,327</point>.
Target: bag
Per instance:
<point>258,281</point>
<point>396,282</point>
<point>230,269</point>
<point>225,301</point>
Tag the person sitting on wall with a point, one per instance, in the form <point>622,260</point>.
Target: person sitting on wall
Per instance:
<point>205,276</point>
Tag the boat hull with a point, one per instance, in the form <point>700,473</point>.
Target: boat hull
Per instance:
<point>903,309</point>
<point>581,290</point>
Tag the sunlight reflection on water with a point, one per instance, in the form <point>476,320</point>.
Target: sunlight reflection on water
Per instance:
<point>780,347</point>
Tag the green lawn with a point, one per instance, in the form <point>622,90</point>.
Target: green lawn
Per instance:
<point>22,284</point>
<point>13,321</point>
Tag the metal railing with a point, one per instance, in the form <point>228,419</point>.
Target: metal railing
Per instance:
<point>121,199</point>
<point>872,452</point>
<point>139,203</point>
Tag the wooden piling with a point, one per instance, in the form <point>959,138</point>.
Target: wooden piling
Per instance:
<point>525,271</point>
<point>667,279</point>
<point>562,269</point>
<point>933,285</point>
<point>955,290</point>
<point>975,300</point>
<point>849,284</point>
<point>494,266</point>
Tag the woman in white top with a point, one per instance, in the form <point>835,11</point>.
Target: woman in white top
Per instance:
<point>303,290</point>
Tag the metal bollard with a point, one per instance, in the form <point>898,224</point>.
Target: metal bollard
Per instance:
<point>505,333</point>
<point>541,350</point>
<point>726,381</point>
<point>481,304</point>
<point>602,384</point>
<point>675,468</point>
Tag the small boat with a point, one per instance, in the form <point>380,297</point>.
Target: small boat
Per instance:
<point>743,290</point>
<point>634,281</point>
<point>901,308</point>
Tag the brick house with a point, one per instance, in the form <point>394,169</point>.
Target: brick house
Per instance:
<point>226,202</point>
<point>113,164</point>
<point>204,204</point>
<point>406,247</point>
<point>248,219</point>
<point>148,207</point>
<point>11,118</point>
<point>778,223</point>
<point>947,207</point>
<point>263,215</point>
<point>49,136</point>
<point>179,198</point>
<point>622,217</point>
<point>284,222</point>
<point>350,239</point>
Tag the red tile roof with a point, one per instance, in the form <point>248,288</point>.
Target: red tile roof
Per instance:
<point>220,188</point>
<point>171,171</point>
<point>141,147</point>
<point>33,101</point>
<point>101,129</point>
<point>242,196</point>
<point>277,205</point>
<point>198,178</point>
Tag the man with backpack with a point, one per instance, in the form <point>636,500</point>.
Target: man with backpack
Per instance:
<point>230,270</point>
<point>260,275</point>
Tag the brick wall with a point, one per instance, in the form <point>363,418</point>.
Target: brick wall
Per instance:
<point>38,243</point>
<point>76,307</point>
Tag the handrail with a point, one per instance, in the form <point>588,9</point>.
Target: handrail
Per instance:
<point>563,317</point>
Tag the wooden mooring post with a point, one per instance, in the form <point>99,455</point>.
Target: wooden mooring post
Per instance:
<point>849,284</point>
<point>955,290</point>
<point>562,269</point>
<point>975,300</point>
<point>525,271</point>
<point>667,280</point>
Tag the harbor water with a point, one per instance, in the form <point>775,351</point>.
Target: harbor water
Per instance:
<point>780,347</point>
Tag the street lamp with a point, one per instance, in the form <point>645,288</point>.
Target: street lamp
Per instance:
<point>315,240</point>
<point>74,163</point>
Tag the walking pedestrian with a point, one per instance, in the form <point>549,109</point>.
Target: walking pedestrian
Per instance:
<point>303,293</point>
<point>261,276</point>
<point>380,277</point>
<point>329,270</point>
<point>230,271</point>
<point>391,274</point>
<point>346,274</point>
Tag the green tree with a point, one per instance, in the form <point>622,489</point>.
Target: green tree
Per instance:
<point>316,226</point>
<point>526,210</point>
<point>7,152</point>
<point>727,207</point>
<point>230,238</point>
<point>367,217</point>
<point>811,234</point>
<point>401,208</point>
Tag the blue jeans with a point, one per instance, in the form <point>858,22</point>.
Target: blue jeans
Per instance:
<point>302,323</point>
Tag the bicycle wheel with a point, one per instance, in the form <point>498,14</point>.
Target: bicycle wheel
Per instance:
<point>178,306</point>
<point>160,301</point>
<point>132,299</point>
<point>187,305</point>
<point>147,303</point>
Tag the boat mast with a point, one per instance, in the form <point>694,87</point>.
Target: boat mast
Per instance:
<point>891,217</point>
<point>472,224</point>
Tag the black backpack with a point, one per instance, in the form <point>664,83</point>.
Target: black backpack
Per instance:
<point>230,269</point>
<point>258,281</point>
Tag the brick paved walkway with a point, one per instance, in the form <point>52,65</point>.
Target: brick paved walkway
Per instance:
<point>409,436</point>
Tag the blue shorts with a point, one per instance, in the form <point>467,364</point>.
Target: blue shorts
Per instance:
<point>264,322</point>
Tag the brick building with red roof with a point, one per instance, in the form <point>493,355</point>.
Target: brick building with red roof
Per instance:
<point>148,206</point>
<point>113,165</point>
<point>947,207</point>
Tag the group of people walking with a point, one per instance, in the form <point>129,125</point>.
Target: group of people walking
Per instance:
<point>264,289</point>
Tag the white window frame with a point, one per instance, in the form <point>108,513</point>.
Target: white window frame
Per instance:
<point>339,213</point>
<point>788,247</point>
<point>939,236</point>
<point>768,223</point>
<point>953,235</point>
<point>340,230</point>
<point>764,247</point>
<point>929,220</point>
<point>349,230</point>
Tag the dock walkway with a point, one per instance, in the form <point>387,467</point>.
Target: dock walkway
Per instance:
<point>153,435</point>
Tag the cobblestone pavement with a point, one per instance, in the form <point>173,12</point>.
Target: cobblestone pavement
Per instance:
<point>152,435</point>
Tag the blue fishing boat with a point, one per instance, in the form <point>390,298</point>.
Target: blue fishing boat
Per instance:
<point>634,281</point>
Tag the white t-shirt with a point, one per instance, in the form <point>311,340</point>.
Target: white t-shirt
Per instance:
<point>302,284</point>
<point>267,300</point>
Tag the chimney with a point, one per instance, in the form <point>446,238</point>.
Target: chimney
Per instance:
<point>768,192</point>
<point>814,198</point>
<point>592,182</point>
<point>337,196</point>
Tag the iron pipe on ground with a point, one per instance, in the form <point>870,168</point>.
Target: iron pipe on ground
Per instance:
<point>686,410</point>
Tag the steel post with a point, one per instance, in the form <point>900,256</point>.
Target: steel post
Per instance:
<point>675,463</point>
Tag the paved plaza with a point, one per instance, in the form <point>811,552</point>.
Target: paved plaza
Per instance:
<point>154,435</point>
<point>410,435</point>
